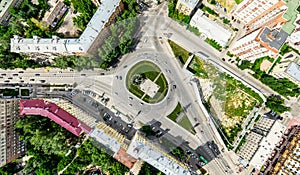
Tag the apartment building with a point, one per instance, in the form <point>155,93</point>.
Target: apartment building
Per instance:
<point>268,24</point>
<point>294,39</point>
<point>5,5</point>
<point>94,32</point>
<point>187,7</point>
<point>11,147</point>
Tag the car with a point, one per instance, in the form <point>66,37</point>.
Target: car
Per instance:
<point>129,125</point>
<point>159,133</point>
<point>42,81</point>
<point>83,74</point>
<point>21,72</point>
<point>101,73</point>
<point>15,75</point>
<point>223,59</point>
<point>59,72</point>
<point>174,86</point>
<point>3,74</point>
<point>6,81</point>
<point>31,79</point>
<point>130,98</point>
<point>10,78</point>
<point>106,116</point>
<point>37,74</point>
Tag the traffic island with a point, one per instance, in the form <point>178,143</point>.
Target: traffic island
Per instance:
<point>146,81</point>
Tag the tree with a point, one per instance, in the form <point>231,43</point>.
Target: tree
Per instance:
<point>245,64</point>
<point>275,103</point>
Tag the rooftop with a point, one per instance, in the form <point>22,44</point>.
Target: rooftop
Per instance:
<point>140,148</point>
<point>189,3</point>
<point>267,144</point>
<point>274,38</point>
<point>290,15</point>
<point>55,113</point>
<point>68,45</point>
<point>210,28</point>
<point>294,71</point>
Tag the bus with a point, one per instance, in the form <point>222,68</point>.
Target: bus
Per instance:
<point>203,159</point>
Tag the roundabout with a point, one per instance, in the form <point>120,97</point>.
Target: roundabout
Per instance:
<point>146,81</point>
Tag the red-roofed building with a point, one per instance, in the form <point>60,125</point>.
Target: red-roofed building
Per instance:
<point>55,113</point>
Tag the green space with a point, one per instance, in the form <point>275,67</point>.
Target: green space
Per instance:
<point>257,118</point>
<point>242,141</point>
<point>277,61</point>
<point>186,124</point>
<point>184,121</point>
<point>229,54</point>
<point>238,1</point>
<point>121,39</point>
<point>226,21</point>
<point>9,92</point>
<point>209,10</point>
<point>174,14</point>
<point>180,53</point>
<point>276,103</point>
<point>193,29</point>
<point>197,67</point>
<point>174,114</point>
<point>25,92</point>
<point>286,49</point>
<point>48,143</point>
<point>214,44</point>
<point>86,10</point>
<point>149,70</point>
<point>283,86</point>
<point>178,153</point>
<point>147,169</point>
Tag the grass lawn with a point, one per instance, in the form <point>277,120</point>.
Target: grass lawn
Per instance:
<point>175,112</point>
<point>186,124</point>
<point>25,92</point>
<point>179,52</point>
<point>151,71</point>
<point>9,92</point>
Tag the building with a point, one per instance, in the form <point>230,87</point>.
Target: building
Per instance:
<point>55,113</point>
<point>187,7</point>
<point>105,14</point>
<point>268,24</point>
<point>285,158</point>
<point>292,72</point>
<point>11,146</point>
<point>141,148</point>
<point>256,13</point>
<point>294,39</point>
<point>267,145</point>
<point>210,28</point>
<point>5,5</point>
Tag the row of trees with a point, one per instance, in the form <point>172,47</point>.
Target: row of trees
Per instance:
<point>77,62</point>
<point>283,86</point>
<point>276,103</point>
<point>121,36</point>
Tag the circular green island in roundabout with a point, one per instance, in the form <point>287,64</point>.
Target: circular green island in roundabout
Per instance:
<point>146,81</point>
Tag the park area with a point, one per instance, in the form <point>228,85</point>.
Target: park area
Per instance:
<point>146,81</point>
<point>178,116</point>
<point>230,102</point>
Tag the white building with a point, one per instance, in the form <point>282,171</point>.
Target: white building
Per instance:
<point>289,70</point>
<point>71,45</point>
<point>140,148</point>
<point>267,144</point>
<point>294,38</point>
<point>210,28</point>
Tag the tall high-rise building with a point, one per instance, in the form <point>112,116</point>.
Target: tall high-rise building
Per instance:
<point>10,147</point>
